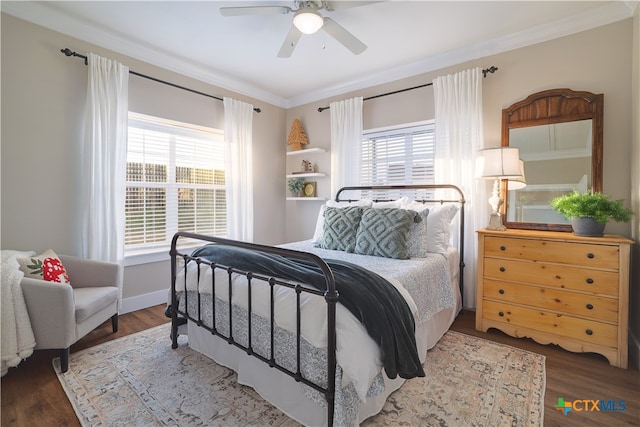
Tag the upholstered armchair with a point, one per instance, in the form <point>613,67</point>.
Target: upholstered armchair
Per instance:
<point>61,314</point>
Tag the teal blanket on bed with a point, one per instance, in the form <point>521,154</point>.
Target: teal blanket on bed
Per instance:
<point>372,299</point>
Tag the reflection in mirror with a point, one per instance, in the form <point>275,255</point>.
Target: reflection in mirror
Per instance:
<point>557,160</point>
<point>559,135</point>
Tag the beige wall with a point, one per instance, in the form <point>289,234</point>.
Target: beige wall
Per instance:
<point>634,298</point>
<point>43,96</point>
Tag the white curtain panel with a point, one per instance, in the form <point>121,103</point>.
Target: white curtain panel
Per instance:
<point>104,158</point>
<point>459,136</point>
<point>238,135</point>
<point>346,143</point>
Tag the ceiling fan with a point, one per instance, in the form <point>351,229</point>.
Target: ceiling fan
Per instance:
<point>306,20</point>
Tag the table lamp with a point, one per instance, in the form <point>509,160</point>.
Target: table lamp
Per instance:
<point>497,164</point>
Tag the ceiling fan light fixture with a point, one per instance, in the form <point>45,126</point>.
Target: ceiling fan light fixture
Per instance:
<point>308,21</point>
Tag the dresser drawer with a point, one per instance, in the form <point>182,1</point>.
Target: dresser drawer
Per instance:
<point>585,305</point>
<point>584,254</point>
<point>556,275</point>
<point>590,331</point>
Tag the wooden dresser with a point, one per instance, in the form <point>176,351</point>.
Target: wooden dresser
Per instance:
<point>556,287</point>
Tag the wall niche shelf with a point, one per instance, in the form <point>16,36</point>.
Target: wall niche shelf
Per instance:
<point>306,151</point>
<point>306,175</point>
<point>303,173</point>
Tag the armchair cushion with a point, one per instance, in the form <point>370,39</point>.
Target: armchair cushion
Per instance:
<point>46,266</point>
<point>89,301</point>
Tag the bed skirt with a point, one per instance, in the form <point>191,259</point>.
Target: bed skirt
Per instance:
<point>288,395</point>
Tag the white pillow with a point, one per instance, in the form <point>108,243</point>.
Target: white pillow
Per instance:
<point>438,223</point>
<point>319,230</point>
<point>383,205</point>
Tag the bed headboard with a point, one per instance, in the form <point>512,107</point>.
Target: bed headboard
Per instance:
<point>424,193</point>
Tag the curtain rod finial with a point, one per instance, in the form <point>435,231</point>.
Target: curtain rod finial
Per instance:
<point>491,70</point>
<point>69,52</point>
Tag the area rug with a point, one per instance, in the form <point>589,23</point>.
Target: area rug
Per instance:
<point>138,380</point>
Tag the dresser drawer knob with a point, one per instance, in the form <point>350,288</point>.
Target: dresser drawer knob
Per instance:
<point>503,248</point>
<point>501,314</point>
<point>590,280</point>
<point>501,291</point>
<point>502,269</point>
<point>589,306</point>
<point>589,332</point>
<point>591,255</point>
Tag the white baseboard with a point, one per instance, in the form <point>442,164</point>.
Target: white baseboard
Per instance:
<point>143,301</point>
<point>634,349</point>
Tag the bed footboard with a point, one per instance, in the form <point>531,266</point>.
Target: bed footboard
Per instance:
<point>330,296</point>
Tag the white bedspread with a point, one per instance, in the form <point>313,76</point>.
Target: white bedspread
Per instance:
<point>426,280</point>
<point>356,352</point>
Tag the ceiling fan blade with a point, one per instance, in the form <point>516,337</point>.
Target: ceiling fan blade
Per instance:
<point>255,10</point>
<point>339,33</point>
<point>340,5</point>
<point>290,42</point>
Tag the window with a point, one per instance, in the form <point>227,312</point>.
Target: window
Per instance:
<point>399,155</point>
<point>175,181</point>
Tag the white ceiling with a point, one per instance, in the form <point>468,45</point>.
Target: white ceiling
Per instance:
<point>404,38</point>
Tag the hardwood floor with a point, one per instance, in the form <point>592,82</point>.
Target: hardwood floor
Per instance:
<point>574,376</point>
<point>32,395</point>
<point>31,392</point>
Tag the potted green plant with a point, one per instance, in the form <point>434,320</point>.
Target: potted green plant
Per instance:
<point>590,212</point>
<point>295,186</point>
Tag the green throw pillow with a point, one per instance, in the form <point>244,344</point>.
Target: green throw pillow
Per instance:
<point>340,228</point>
<point>385,232</point>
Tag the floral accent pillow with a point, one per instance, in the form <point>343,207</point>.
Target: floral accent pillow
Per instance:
<point>46,266</point>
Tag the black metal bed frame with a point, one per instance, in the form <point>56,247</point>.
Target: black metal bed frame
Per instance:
<point>331,296</point>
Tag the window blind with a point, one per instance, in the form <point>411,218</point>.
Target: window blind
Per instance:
<point>399,155</point>
<point>175,182</point>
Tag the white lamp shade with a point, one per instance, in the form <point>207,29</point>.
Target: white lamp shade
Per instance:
<point>499,163</point>
<point>308,21</point>
<point>520,182</point>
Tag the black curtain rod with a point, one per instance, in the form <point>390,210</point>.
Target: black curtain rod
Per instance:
<point>69,52</point>
<point>491,69</point>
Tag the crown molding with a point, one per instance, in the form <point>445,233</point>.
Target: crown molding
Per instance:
<point>42,14</point>
<point>597,17</point>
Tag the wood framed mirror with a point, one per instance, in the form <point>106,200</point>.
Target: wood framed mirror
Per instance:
<point>559,133</point>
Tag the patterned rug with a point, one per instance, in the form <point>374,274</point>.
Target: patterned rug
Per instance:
<point>138,380</point>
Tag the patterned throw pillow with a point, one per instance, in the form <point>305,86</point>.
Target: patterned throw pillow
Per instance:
<point>46,266</point>
<point>418,237</point>
<point>319,230</point>
<point>385,232</point>
<point>340,228</point>
<point>438,224</point>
